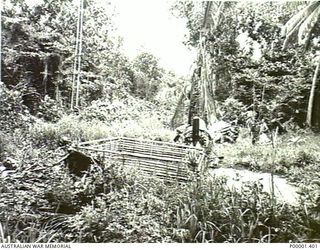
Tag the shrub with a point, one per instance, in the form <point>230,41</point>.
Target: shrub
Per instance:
<point>13,114</point>
<point>49,110</point>
<point>103,120</point>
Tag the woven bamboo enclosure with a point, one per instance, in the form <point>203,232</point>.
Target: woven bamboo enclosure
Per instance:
<point>168,161</point>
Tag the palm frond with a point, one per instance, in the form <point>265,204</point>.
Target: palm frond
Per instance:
<point>290,36</point>
<point>307,26</point>
<point>295,20</point>
<point>304,18</point>
<point>207,14</point>
<point>212,14</point>
<point>179,110</point>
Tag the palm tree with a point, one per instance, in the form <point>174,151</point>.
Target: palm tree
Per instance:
<point>201,95</point>
<point>300,27</point>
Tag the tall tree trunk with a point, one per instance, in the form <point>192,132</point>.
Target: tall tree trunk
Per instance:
<point>312,94</point>
<point>79,54</point>
<point>76,51</point>
<point>209,113</point>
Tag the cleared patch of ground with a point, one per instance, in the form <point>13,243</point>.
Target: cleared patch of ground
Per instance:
<point>236,178</point>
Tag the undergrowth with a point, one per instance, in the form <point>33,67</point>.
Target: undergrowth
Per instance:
<point>43,203</point>
<point>40,201</point>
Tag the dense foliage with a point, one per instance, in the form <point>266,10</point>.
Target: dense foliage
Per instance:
<point>38,55</point>
<point>246,64</point>
<point>250,75</point>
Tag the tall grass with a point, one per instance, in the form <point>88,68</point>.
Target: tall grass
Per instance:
<point>17,230</point>
<point>290,160</point>
<point>75,129</point>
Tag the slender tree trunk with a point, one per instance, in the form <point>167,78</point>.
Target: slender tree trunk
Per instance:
<point>79,54</point>
<point>209,113</point>
<point>312,94</point>
<point>58,82</point>
<point>45,75</point>
<point>57,92</point>
<point>76,51</point>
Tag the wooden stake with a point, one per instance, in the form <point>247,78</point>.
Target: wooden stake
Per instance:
<point>195,130</point>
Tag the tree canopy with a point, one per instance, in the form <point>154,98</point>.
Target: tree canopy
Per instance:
<point>245,64</point>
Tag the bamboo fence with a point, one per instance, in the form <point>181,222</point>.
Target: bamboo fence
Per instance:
<point>167,161</point>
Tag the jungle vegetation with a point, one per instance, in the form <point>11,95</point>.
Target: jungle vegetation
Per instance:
<point>65,79</point>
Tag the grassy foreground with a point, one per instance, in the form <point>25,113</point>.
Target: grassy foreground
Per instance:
<point>41,202</point>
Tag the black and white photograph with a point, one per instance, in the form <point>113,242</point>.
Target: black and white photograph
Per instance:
<point>159,121</point>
